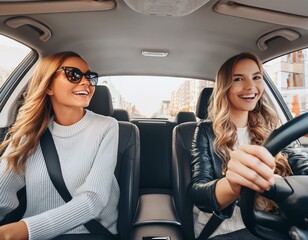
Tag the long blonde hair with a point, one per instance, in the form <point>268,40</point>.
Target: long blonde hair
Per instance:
<point>261,121</point>
<point>34,114</point>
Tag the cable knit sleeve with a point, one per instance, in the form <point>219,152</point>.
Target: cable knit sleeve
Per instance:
<point>96,198</point>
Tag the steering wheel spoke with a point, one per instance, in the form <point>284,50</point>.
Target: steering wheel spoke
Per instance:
<point>279,191</point>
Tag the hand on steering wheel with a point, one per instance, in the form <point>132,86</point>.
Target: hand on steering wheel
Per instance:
<point>290,193</point>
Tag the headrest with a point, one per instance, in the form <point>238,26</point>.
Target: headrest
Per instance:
<point>121,115</point>
<point>203,103</point>
<point>101,101</point>
<point>182,117</point>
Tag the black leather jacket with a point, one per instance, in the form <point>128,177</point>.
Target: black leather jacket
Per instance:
<point>206,168</point>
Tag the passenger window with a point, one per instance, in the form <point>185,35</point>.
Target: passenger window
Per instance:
<point>11,55</point>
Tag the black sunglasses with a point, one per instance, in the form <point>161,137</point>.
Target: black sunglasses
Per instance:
<point>74,75</point>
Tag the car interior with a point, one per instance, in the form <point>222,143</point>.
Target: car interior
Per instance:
<point>183,39</point>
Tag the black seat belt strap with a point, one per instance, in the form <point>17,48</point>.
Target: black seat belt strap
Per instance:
<point>210,227</point>
<point>54,170</point>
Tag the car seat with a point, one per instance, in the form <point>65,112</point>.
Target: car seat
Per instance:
<point>181,170</point>
<point>182,117</point>
<point>128,163</point>
<point>121,115</point>
<point>101,103</point>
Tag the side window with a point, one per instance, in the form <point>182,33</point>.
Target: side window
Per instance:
<point>11,55</point>
<point>290,74</point>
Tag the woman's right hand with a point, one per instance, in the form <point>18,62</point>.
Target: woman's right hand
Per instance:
<point>251,166</point>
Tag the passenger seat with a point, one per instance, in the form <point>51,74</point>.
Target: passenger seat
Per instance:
<point>101,103</point>
<point>128,163</point>
<point>121,115</point>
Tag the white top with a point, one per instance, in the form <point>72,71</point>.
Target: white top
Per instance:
<point>88,154</point>
<point>235,222</point>
<point>242,137</point>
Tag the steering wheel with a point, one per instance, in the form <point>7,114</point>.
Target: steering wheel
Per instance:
<point>290,193</point>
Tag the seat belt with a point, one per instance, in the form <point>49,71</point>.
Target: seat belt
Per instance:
<point>54,170</point>
<point>210,227</point>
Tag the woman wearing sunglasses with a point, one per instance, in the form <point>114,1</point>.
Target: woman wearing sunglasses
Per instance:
<point>60,90</point>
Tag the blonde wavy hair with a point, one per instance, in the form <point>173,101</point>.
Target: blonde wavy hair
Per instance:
<point>34,115</point>
<point>261,121</point>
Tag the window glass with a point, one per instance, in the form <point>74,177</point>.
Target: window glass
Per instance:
<point>290,74</point>
<point>154,97</point>
<point>11,55</point>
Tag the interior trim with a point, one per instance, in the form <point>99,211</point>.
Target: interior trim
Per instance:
<point>41,7</point>
<point>261,14</point>
<point>156,208</point>
<point>43,31</point>
<point>285,33</point>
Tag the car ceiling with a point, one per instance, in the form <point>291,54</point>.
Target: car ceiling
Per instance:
<point>197,43</point>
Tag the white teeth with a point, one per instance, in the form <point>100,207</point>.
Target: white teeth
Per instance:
<point>81,93</point>
<point>248,96</point>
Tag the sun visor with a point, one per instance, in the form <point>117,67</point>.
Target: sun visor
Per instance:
<point>34,7</point>
<point>236,9</point>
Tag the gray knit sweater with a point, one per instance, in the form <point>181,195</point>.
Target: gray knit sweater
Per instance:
<point>88,153</point>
